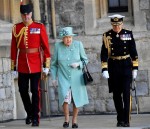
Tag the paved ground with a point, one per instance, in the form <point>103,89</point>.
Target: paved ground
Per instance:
<point>140,121</point>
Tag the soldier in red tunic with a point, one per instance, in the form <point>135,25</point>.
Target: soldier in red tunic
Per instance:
<point>30,51</point>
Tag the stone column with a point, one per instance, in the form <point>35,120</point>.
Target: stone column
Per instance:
<point>90,13</point>
<point>15,11</point>
<point>139,17</point>
<point>36,10</point>
<point>103,7</point>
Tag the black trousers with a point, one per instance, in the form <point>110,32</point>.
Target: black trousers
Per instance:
<point>120,79</point>
<point>31,104</point>
<point>122,102</point>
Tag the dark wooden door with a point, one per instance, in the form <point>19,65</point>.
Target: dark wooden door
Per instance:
<point>117,6</point>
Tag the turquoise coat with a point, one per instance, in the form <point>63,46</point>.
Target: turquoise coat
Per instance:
<point>67,76</point>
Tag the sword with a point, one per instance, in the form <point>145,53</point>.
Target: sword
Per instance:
<point>136,99</point>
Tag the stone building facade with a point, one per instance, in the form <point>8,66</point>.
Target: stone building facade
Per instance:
<point>89,18</point>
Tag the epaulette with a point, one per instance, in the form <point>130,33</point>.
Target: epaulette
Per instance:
<point>107,31</point>
<point>38,22</point>
<point>127,29</point>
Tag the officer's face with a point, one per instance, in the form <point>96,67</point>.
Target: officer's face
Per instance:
<point>67,40</point>
<point>26,17</point>
<point>117,28</point>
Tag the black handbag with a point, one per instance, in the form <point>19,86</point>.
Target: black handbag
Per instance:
<point>86,75</point>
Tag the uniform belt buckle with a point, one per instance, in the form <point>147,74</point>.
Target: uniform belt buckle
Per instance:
<point>120,57</point>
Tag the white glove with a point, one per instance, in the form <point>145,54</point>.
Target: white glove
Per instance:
<point>14,73</point>
<point>134,73</point>
<point>74,65</point>
<point>105,74</point>
<point>54,83</point>
<point>45,70</point>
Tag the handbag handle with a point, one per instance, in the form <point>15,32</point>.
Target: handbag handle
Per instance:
<point>84,64</point>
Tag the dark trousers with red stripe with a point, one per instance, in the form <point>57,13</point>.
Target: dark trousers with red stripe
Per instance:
<point>31,104</point>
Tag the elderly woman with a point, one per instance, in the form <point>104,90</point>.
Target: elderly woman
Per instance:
<point>66,66</point>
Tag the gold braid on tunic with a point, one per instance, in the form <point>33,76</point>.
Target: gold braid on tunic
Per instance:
<point>107,42</point>
<point>19,35</point>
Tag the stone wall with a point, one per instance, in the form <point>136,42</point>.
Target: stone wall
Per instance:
<point>7,101</point>
<point>67,13</point>
<point>145,7</point>
<point>72,13</point>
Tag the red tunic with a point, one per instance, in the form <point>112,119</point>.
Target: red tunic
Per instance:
<point>33,36</point>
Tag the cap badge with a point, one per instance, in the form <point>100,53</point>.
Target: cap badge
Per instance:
<point>116,19</point>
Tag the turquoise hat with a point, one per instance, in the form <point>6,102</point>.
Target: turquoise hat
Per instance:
<point>66,31</point>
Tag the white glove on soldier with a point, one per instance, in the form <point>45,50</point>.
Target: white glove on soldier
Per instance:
<point>105,74</point>
<point>45,70</point>
<point>54,82</point>
<point>74,65</point>
<point>134,73</point>
<point>14,73</point>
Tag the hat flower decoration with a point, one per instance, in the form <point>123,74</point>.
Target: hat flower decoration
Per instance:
<point>66,31</point>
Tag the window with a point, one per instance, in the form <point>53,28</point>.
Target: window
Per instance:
<point>117,6</point>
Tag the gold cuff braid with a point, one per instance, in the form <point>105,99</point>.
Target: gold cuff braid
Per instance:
<point>104,65</point>
<point>135,63</point>
<point>12,64</point>
<point>47,63</point>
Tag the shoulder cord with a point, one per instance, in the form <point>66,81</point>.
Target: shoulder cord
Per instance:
<point>107,42</point>
<point>20,34</point>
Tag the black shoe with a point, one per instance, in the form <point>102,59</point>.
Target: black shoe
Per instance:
<point>35,123</point>
<point>28,120</point>
<point>66,124</point>
<point>74,125</point>
<point>126,125</point>
<point>120,124</point>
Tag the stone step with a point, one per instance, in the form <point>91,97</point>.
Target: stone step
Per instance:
<point>5,42</point>
<point>5,29</point>
<point>5,36</point>
<point>5,23</point>
<point>5,33</point>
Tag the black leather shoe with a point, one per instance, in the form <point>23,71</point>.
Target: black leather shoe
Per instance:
<point>126,125</point>
<point>35,123</point>
<point>28,120</point>
<point>74,125</point>
<point>120,124</point>
<point>66,124</point>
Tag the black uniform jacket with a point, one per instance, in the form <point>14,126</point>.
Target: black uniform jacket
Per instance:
<point>118,54</point>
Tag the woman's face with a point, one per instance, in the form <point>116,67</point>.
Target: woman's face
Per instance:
<point>117,28</point>
<point>67,40</point>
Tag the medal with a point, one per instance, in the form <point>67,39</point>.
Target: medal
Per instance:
<point>117,35</point>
